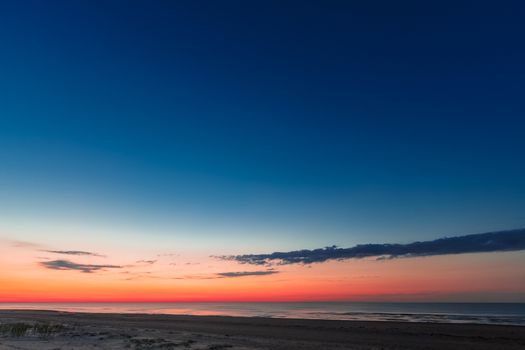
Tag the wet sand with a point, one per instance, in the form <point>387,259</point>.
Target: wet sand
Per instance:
<point>82,331</point>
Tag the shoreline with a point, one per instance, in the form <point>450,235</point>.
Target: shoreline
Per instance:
<point>457,313</point>
<point>126,330</point>
<point>154,314</point>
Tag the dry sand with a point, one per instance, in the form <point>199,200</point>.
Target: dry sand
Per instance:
<point>84,331</point>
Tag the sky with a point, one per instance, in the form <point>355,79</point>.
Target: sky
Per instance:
<point>166,151</point>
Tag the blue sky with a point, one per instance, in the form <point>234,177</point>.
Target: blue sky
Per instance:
<point>269,125</point>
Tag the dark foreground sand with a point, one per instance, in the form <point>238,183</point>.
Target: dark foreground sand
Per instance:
<point>58,330</point>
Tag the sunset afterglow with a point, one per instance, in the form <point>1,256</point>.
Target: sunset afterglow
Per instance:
<point>220,151</point>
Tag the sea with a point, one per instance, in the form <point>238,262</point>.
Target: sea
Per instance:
<point>480,313</point>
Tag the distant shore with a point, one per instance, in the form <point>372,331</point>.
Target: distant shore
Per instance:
<point>30,329</point>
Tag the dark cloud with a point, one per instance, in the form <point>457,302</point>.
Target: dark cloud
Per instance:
<point>247,273</point>
<point>501,241</point>
<point>74,252</point>
<point>227,275</point>
<point>69,265</point>
<point>149,262</point>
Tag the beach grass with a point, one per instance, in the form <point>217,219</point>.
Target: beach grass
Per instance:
<point>20,329</point>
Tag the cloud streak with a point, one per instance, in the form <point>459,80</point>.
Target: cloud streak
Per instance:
<point>74,252</point>
<point>24,244</point>
<point>501,241</point>
<point>147,262</point>
<point>69,265</point>
<point>227,275</point>
<point>247,273</point>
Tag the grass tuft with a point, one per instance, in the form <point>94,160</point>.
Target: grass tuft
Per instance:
<point>20,329</point>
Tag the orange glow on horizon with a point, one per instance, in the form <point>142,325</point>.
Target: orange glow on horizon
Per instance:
<point>468,277</point>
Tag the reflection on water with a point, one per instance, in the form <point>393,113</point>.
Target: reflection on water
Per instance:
<point>485,313</point>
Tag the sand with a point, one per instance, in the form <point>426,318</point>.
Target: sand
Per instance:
<point>82,331</point>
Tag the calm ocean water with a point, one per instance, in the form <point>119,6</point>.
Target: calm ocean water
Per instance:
<point>485,313</point>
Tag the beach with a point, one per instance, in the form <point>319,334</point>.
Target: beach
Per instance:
<point>52,330</point>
